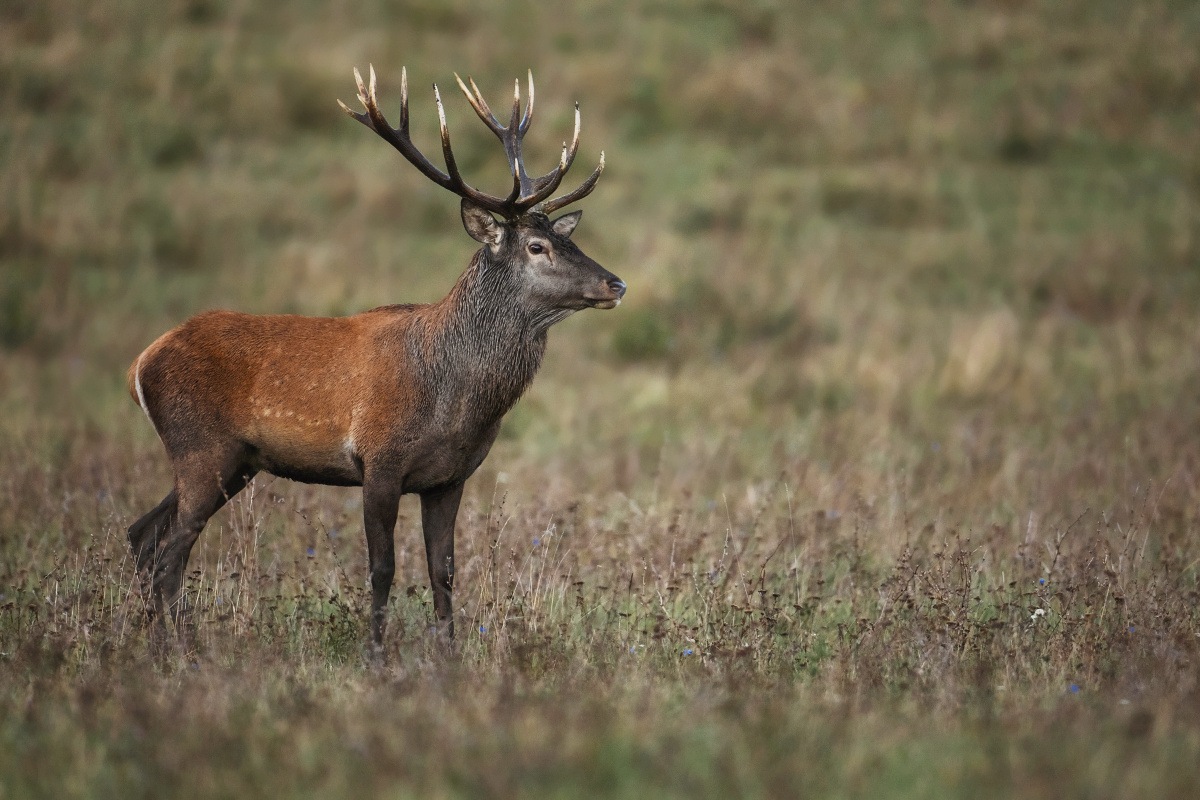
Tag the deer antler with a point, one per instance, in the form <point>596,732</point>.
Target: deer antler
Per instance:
<point>527,193</point>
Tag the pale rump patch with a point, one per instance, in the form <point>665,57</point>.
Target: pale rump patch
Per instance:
<point>137,385</point>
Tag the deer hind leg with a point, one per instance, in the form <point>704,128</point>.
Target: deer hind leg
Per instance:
<point>144,538</point>
<point>201,489</point>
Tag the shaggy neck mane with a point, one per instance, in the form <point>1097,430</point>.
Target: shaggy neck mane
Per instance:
<point>483,339</point>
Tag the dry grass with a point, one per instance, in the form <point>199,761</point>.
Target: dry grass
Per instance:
<point>882,482</point>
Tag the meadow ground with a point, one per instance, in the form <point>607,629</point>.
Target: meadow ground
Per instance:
<point>883,481</point>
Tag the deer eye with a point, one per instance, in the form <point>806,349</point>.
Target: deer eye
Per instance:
<point>536,248</point>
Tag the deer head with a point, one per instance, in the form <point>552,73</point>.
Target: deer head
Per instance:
<point>549,274</point>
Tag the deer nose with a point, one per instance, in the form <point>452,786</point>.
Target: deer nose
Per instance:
<point>617,286</point>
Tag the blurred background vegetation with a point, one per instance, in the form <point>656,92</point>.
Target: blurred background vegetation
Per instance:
<point>898,271</point>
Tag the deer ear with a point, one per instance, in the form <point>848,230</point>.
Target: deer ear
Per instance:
<point>481,225</point>
<point>565,225</point>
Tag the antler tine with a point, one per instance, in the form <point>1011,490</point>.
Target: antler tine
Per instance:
<point>372,103</point>
<point>363,118</point>
<point>475,98</point>
<point>528,106</point>
<point>404,99</point>
<point>447,151</point>
<point>513,135</point>
<point>574,137</point>
<point>514,119</point>
<point>546,184</point>
<point>583,191</point>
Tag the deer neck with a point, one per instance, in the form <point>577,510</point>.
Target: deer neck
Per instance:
<point>487,345</point>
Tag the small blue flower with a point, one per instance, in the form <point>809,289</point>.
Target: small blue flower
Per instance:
<point>1074,688</point>
<point>687,651</point>
<point>312,551</point>
<point>483,628</point>
<point>633,650</point>
<point>1041,581</point>
<point>1132,628</point>
<point>536,541</point>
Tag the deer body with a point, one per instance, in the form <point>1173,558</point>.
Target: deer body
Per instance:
<point>401,399</point>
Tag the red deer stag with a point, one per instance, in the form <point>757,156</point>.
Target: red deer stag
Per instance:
<point>400,399</point>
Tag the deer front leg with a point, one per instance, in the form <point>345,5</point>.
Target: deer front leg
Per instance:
<point>381,502</point>
<point>438,511</point>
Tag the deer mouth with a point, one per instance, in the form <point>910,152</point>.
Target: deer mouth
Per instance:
<point>605,303</point>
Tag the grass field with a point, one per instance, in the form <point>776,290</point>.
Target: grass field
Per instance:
<point>884,481</point>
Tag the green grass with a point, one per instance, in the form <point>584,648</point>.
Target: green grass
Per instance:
<point>908,357</point>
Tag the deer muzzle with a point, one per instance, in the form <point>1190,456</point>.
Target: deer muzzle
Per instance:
<point>614,291</point>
